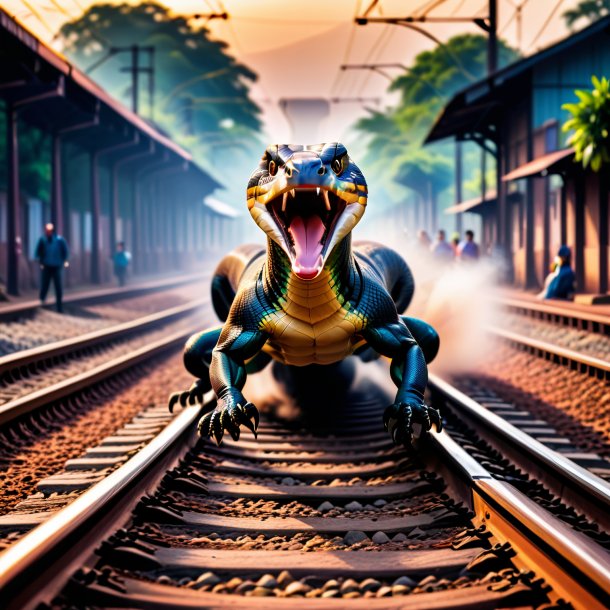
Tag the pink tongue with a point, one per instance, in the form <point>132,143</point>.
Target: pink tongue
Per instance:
<point>307,234</point>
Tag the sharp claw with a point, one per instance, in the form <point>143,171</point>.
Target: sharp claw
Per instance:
<point>217,429</point>
<point>234,432</point>
<point>204,424</point>
<point>248,423</point>
<point>183,398</point>
<point>173,399</point>
<point>436,418</point>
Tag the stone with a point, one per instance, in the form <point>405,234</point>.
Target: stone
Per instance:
<point>427,580</point>
<point>330,593</point>
<point>404,581</point>
<point>354,536</point>
<point>331,584</point>
<point>325,506</point>
<point>400,537</point>
<point>353,506</point>
<point>315,541</point>
<point>288,481</point>
<point>261,592</point>
<point>234,583</point>
<point>400,590</point>
<point>370,584</point>
<point>297,588</point>
<point>349,585</point>
<point>379,503</point>
<point>284,578</point>
<point>351,595</point>
<point>267,581</point>
<point>380,538</point>
<point>384,592</point>
<point>207,578</point>
<point>245,586</point>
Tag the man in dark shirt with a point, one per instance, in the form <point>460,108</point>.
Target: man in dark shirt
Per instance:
<point>52,254</point>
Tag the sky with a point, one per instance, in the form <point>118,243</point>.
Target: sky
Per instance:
<point>298,46</point>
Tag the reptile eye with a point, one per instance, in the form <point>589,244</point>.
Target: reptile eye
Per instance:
<point>272,168</point>
<point>337,166</point>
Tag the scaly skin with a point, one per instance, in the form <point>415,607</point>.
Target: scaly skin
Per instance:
<point>313,299</point>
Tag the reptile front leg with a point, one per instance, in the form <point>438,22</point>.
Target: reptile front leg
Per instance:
<point>228,376</point>
<point>197,359</point>
<point>410,374</point>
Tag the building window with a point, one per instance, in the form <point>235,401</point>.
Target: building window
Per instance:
<point>551,136</point>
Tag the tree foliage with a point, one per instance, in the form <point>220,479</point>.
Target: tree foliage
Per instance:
<point>590,124</point>
<point>395,137</point>
<point>590,10</point>
<point>202,94</point>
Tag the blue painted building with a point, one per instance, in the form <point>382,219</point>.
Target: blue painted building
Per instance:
<point>542,197</point>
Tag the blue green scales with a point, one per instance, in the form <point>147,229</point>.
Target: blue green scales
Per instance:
<point>310,297</point>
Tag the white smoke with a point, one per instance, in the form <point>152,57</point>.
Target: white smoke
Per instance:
<point>456,298</point>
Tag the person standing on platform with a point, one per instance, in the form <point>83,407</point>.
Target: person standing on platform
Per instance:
<point>440,249</point>
<point>52,253</point>
<point>121,260</point>
<point>455,244</point>
<point>468,250</point>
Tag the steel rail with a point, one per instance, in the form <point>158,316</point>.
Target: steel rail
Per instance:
<point>575,567</point>
<point>32,557</point>
<point>568,561</point>
<point>557,311</point>
<point>10,311</point>
<point>585,482</point>
<point>599,366</point>
<point>43,353</point>
<point>35,400</point>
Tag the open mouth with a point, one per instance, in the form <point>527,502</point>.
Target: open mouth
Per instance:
<point>306,216</point>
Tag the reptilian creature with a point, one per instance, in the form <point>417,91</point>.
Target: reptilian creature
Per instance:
<point>310,297</point>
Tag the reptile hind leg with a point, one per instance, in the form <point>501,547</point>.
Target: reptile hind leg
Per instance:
<point>197,359</point>
<point>427,338</point>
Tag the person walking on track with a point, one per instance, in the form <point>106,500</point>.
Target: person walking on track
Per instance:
<point>52,253</point>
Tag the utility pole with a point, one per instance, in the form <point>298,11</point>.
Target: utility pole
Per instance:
<point>492,37</point>
<point>135,69</point>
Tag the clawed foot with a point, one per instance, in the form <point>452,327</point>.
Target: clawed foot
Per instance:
<point>193,396</point>
<point>229,415</point>
<point>400,417</point>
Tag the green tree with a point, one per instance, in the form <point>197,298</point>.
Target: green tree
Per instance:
<point>202,96</point>
<point>591,10</point>
<point>395,137</point>
<point>590,124</point>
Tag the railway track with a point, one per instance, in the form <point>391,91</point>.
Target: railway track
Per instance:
<point>29,379</point>
<point>11,311</point>
<point>333,513</point>
<point>563,334</point>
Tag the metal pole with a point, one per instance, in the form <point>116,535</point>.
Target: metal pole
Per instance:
<point>135,72</point>
<point>95,219</point>
<point>57,217</point>
<point>458,184</point>
<point>13,204</point>
<point>492,38</point>
<point>151,82</point>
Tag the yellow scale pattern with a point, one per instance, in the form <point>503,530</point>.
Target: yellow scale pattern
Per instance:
<point>313,326</point>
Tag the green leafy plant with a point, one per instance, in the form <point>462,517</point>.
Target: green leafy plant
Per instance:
<point>590,123</point>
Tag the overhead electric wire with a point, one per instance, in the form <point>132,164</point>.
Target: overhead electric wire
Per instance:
<point>38,16</point>
<point>381,49</point>
<point>458,7</point>
<point>432,6</point>
<point>545,24</point>
<point>348,48</point>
